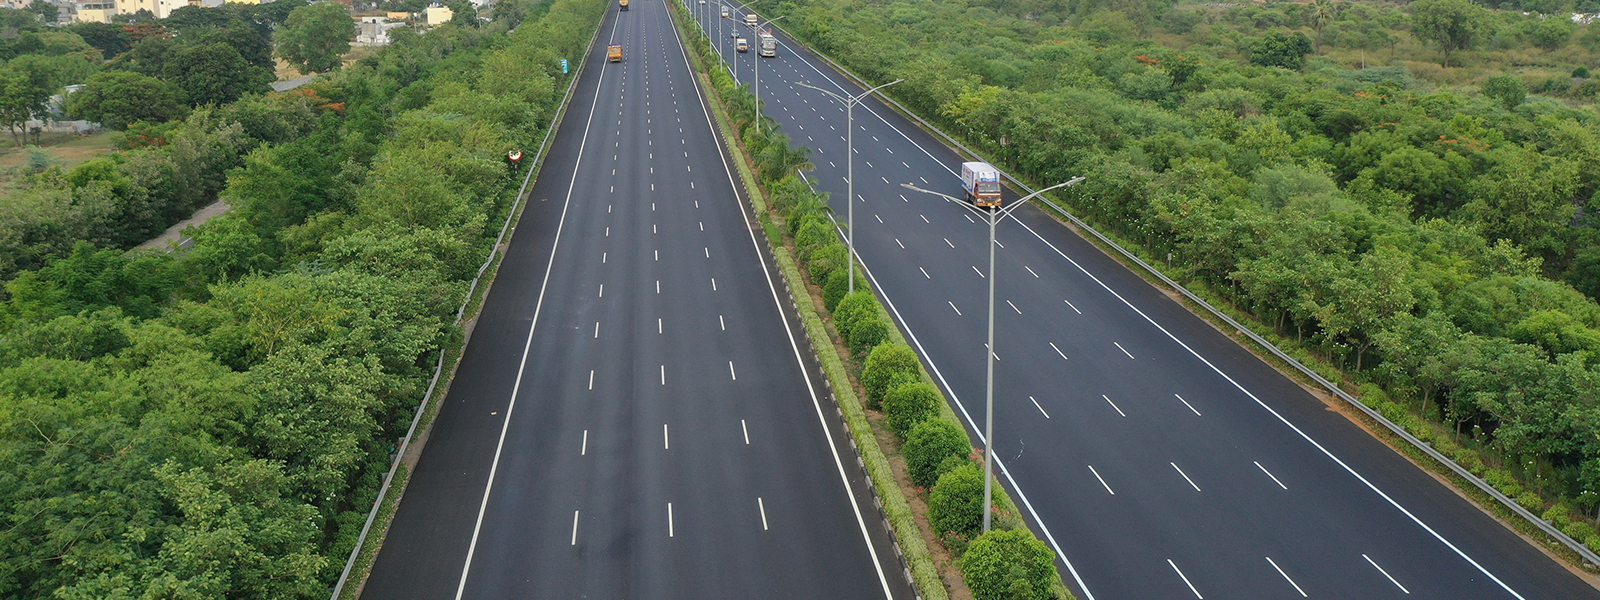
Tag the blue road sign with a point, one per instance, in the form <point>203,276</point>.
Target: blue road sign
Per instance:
<point>563,66</point>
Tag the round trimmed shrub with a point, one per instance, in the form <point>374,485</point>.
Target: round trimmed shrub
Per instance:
<point>852,308</point>
<point>951,463</point>
<point>1009,565</point>
<point>929,444</point>
<point>867,333</point>
<point>909,404</point>
<point>883,363</point>
<point>956,502</point>
<point>838,284</point>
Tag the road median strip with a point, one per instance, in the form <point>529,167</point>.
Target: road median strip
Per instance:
<point>832,349</point>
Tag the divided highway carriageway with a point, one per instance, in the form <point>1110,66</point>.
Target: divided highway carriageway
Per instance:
<point>633,417</point>
<point>1160,459</point>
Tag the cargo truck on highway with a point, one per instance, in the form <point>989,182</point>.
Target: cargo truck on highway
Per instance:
<point>741,45</point>
<point>622,4</point>
<point>750,20</point>
<point>614,53</point>
<point>982,183</point>
<point>767,44</point>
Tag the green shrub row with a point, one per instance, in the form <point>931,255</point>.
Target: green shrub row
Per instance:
<point>936,447</point>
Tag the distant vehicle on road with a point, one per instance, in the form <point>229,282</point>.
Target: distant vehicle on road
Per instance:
<point>741,45</point>
<point>622,4</point>
<point>724,12</point>
<point>614,53</point>
<point>750,20</point>
<point>767,44</point>
<point>982,183</point>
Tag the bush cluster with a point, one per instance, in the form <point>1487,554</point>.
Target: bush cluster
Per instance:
<point>1009,565</point>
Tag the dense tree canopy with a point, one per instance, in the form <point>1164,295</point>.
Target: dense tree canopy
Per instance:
<point>118,99</point>
<point>315,36</point>
<point>215,424</point>
<point>1428,228</point>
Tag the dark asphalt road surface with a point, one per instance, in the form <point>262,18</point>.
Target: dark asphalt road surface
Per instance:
<point>1159,458</point>
<point>633,417</point>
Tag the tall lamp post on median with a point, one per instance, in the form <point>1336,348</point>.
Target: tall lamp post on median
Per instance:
<point>994,216</point>
<point>850,172</point>
<point>758,61</point>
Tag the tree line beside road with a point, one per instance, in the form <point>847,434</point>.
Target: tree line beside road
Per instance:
<point>192,92</point>
<point>1424,232</point>
<point>216,423</point>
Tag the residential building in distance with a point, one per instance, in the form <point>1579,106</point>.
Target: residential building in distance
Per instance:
<point>437,14</point>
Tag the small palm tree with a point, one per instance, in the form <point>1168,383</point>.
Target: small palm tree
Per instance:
<point>1320,14</point>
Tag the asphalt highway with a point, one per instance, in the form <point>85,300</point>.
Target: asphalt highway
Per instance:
<point>634,416</point>
<point>1159,459</point>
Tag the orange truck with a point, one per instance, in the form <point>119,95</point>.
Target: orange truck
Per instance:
<point>614,53</point>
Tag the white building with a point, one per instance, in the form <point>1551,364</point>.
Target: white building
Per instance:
<point>374,31</point>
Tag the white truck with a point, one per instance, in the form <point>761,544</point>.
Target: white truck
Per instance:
<point>750,20</point>
<point>982,184</point>
<point>767,44</point>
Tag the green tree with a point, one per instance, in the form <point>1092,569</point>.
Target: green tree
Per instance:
<point>1361,300</point>
<point>1452,25</point>
<point>213,73</point>
<point>1549,32</point>
<point>929,444</point>
<point>1009,565</point>
<point>48,13</point>
<point>882,365</point>
<point>26,84</point>
<point>1278,50</point>
<point>315,36</point>
<point>118,99</point>
<point>1506,88</point>
<point>1320,13</point>
<point>910,404</point>
<point>955,505</point>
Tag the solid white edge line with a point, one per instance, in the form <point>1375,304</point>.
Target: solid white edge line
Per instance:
<point>793,344</point>
<point>527,346</point>
<point>1044,529</point>
<point>1303,435</point>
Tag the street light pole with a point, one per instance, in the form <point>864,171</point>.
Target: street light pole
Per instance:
<point>758,70</point>
<point>850,173</point>
<point>994,216</point>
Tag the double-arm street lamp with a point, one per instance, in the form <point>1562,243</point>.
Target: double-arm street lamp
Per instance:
<point>850,171</point>
<point>994,216</point>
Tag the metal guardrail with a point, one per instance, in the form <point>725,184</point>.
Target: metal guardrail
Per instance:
<point>438,369</point>
<point>1481,484</point>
